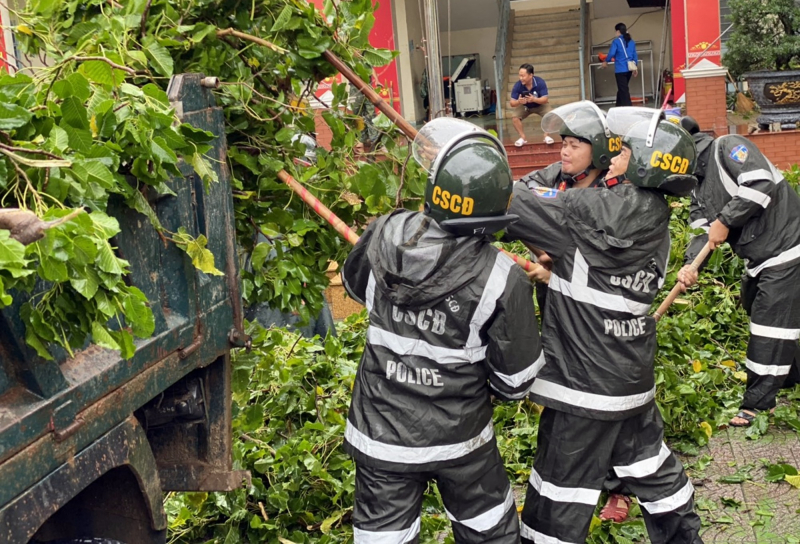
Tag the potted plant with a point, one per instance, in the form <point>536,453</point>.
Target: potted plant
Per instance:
<point>764,48</point>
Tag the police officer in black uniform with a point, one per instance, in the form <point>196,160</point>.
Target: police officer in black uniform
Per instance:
<point>744,200</point>
<point>452,323</point>
<point>610,250</point>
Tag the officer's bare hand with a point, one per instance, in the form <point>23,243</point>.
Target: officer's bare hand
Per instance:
<point>717,234</point>
<point>687,276</point>
<point>540,275</point>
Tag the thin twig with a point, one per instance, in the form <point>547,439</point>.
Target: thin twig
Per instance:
<point>26,150</point>
<point>33,163</point>
<point>110,62</point>
<point>250,37</point>
<point>399,198</point>
<point>144,18</point>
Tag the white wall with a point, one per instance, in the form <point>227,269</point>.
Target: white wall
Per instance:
<point>476,40</point>
<point>648,27</point>
<point>411,61</point>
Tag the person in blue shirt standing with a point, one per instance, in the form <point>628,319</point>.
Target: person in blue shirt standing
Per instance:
<point>623,51</point>
<point>528,96</point>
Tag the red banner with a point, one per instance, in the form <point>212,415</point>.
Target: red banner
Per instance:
<point>381,37</point>
<point>693,34</point>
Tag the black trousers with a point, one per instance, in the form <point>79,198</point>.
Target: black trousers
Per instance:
<point>573,457</point>
<point>623,92</point>
<point>476,496</point>
<point>772,300</point>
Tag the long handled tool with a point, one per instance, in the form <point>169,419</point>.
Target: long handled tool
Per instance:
<point>662,309</point>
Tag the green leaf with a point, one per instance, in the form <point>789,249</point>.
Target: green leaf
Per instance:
<point>94,172</point>
<point>101,73</point>
<point>107,261</point>
<point>73,112</point>
<point>84,250</point>
<point>162,152</point>
<point>203,169</point>
<point>87,285</point>
<point>202,258</point>
<point>155,92</point>
<point>102,337</point>
<point>379,57</point>
<point>12,252</point>
<point>138,202</point>
<point>160,59</point>
<point>138,313</point>
<point>107,224</point>
<point>13,116</point>
<point>79,140</point>
<point>283,19</point>
<point>125,341</point>
<point>259,255</point>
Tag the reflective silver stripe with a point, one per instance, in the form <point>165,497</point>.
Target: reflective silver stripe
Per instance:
<point>530,534</point>
<point>579,495</point>
<point>492,291</point>
<point>489,519</point>
<point>755,175</point>
<point>754,196</point>
<point>370,294</point>
<point>362,536</point>
<point>645,467</point>
<point>513,396</point>
<point>782,258</point>
<point>590,401</point>
<point>767,370</point>
<point>673,502</point>
<point>774,332</point>
<point>579,291</point>
<point>415,456</point>
<point>777,175</point>
<point>699,224</point>
<point>402,345</point>
<point>727,181</point>
<point>515,380</point>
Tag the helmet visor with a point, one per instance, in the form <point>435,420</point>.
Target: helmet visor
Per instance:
<point>442,134</point>
<point>621,120</point>
<point>579,117</point>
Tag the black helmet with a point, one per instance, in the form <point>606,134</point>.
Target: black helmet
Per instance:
<point>469,180</point>
<point>690,125</point>
<point>585,121</point>
<point>663,154</point>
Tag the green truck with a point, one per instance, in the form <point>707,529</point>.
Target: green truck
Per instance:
<point>89,444</point>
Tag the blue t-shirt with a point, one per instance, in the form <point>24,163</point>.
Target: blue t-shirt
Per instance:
<point>538,90</point>
<point>618,51</point>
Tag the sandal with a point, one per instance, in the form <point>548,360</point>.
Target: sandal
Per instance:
<point>748,415</point>
<point>616,508</point>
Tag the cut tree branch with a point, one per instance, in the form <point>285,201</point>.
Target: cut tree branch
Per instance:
<point>34,163</point>
<point>26,150</point>
<point>110,62</point>
<point>251,38</point>
<point>26,227</point>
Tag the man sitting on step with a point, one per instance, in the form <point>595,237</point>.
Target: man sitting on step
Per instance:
<point>528,96</point>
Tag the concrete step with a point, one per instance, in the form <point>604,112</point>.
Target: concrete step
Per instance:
<point>550,68</point>
<point>533,147</point>
<point>555,101</point>
<point>550,52</point>
<point>532,159</point>
<point>554,80</point>
<point>547,29</point>
<point>518,60</point>
<point>525,17</point>
<point>519,171</point>
<point>544,46</point>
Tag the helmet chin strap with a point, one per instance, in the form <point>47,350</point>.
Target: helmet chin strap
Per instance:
<point>580,176</point>
<point>617,180</point>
